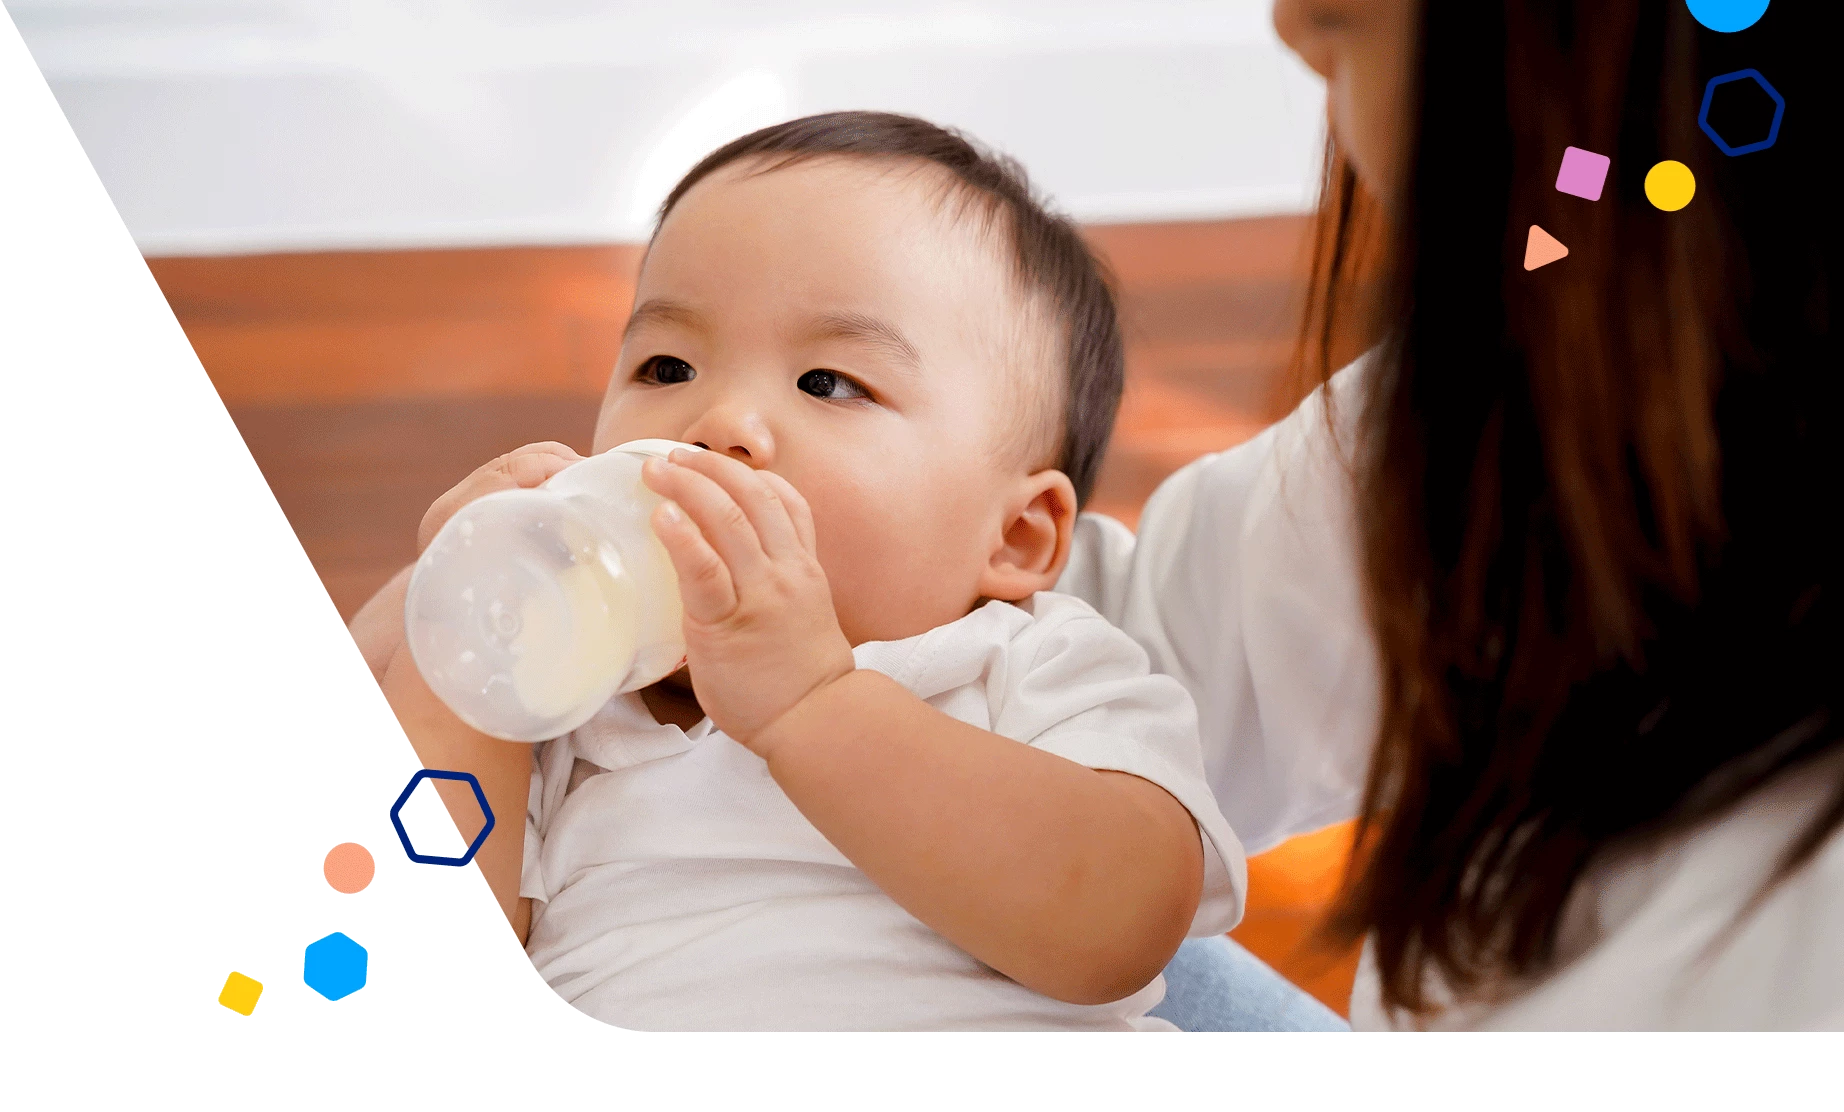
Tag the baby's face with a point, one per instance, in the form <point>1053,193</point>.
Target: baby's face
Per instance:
<point>830,322</point>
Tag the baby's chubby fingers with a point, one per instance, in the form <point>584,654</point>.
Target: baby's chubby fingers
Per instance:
<point>726,527</point>
<point>756,493</point>
<point>535,463</point>
<point>530,466</point>
<point>705,588</point>
<point>799,512</point>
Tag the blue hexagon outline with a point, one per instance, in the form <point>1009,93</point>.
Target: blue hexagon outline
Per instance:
<point>403,835</point>
<point>1709,97</point>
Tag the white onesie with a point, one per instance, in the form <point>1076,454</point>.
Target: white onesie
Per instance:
<point>679,889</point>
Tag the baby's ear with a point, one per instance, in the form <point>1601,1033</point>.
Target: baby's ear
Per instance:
<point>1040,518</point>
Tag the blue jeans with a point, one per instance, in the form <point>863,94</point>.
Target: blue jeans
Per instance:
<point>1213,984</point>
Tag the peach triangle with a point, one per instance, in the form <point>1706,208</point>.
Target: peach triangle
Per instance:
<point>1543,249</point>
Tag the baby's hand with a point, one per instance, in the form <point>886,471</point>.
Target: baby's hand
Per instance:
<point>760,632</point>
<point>529,466</point>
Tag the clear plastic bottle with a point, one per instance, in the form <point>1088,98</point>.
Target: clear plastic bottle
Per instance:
<point>532,608</point>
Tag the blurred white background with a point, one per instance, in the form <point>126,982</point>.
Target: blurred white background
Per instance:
<point>266,125</point>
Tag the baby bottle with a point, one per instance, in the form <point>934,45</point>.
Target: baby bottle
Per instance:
<point>532,608</point>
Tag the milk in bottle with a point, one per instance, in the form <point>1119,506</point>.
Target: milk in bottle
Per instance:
<point>532,608</point>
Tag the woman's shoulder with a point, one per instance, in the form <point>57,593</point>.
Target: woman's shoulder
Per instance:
<point>1296,471</point>
<point>1731,946</point>
<point>1692,932</point>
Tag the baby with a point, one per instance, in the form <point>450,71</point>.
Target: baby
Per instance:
<point>900,785</point>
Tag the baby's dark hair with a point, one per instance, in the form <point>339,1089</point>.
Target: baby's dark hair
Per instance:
<point>1054,266</point>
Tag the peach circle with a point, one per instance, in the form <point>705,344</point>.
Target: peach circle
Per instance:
<point>349,867</point>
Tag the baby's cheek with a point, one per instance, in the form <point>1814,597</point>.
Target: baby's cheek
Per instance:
<point>893,586</point>
<point>867,575</point>
<point>616,424</point>
<point>630,413</point>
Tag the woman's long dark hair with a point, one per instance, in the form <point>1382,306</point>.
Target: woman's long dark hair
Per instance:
<point>1601,501</point>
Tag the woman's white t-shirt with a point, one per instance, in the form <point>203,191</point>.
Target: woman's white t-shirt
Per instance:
<point>1243,582</point>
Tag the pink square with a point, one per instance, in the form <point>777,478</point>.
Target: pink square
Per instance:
<point>1584,173</point>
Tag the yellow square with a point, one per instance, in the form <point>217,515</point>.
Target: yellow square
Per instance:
<point>240,993</point>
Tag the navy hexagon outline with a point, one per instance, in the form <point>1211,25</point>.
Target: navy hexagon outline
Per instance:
<point>403,835</point>
<point>1709,97</point>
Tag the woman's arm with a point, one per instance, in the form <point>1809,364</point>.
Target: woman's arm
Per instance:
<point>1243,584</point>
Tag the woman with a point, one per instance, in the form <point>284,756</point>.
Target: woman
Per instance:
<point>1547,590</point>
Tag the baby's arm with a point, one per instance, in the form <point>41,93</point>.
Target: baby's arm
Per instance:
<point>1074,882</point>
<point>441,740</point>
<point>1077,883</point>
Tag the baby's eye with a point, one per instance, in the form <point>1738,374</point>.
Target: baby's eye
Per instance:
<point>665,370</point>
<point>830,385</point>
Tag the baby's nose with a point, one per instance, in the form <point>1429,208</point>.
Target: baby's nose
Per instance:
<point>741,435</point>
<point>735,451</point>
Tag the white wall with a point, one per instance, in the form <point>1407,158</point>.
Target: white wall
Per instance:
<point>250,125</point>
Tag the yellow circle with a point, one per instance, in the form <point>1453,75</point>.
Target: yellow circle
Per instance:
<point>1670,185</point>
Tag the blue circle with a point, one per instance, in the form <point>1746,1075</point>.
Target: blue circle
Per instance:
<point>335,966</point>
<point>1728,15</point>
